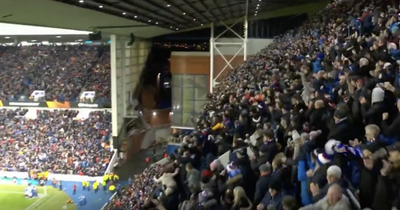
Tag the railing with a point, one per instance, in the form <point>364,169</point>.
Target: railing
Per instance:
<point>112,162</point>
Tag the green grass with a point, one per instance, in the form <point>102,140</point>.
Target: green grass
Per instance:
<point>12,198</point>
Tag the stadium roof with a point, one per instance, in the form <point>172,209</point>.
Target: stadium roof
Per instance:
<point>144,18</point>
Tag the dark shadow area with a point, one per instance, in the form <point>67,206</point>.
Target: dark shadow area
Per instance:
<point>157,77</point>
<point>137,163</point>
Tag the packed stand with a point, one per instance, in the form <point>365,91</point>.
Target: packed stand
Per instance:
<point>55,142</point>
<point>319,110</point>
<point>61,71</point>
<point>99,79</point>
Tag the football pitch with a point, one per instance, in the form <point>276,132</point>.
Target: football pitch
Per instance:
<point>12,198</point>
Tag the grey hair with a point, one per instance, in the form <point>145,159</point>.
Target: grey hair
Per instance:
<point>364,62</point>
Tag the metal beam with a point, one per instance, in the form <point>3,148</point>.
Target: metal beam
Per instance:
<point>134,11</point>
<point>150,2</point>
<point>219,9</point>
<point>230,8</point>
<point>164,18</point>
<point>180,9</point>
<point>207,9</point>
<point>197,11</point>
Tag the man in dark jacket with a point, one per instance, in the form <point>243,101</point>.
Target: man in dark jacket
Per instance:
<point>273,197</point>
<point>262,183</point>
<point>269,147</point>
<point>343,131</point>
<point>318,121</point>
<point>260,160</point>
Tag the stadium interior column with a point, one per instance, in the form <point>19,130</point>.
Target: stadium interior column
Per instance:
<point>116,77</point>
<point>127,63</point>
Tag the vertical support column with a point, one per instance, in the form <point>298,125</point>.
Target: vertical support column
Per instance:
<point>245,28</point>
<point>212,57</point>
<point>120,67</point>
<point>114,83</point>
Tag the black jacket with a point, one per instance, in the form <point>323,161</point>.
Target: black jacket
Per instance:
<point>261,188</point>
<point>343,131</point>
<point>373,115</point>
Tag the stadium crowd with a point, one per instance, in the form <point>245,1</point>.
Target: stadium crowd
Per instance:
<point>63,72</point>
<point>319,109</point>
<point>55,141</point>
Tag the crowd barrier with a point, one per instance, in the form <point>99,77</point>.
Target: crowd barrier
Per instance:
<point>61,177</point>
<point>224,159</point>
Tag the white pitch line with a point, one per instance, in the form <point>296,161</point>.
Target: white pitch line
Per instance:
<point>33,204</point>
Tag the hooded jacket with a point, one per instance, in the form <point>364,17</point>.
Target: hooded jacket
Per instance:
<point>373,115</point>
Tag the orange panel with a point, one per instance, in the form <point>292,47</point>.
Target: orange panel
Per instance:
<point>181,64</point>
<point>190,64</point>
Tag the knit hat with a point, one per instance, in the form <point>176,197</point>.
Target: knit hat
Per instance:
<point>378,94</point>
<point>265,168</point>
<point>275,185</point>
<point>323,159</point>
<point>206,173</point>
<point>330,145</point>
<point>339,113</point>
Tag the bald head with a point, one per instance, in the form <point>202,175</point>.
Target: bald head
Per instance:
<point>334,194</point>
<point>319,104</point>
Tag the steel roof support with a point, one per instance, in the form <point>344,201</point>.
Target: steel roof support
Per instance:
<point>168,11</point>
<point>208,9</point>
<point>219,9</point>
<point>214,47</point>
<point>150,13</point>
<point>198,12</point>
<point>190,15</point>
